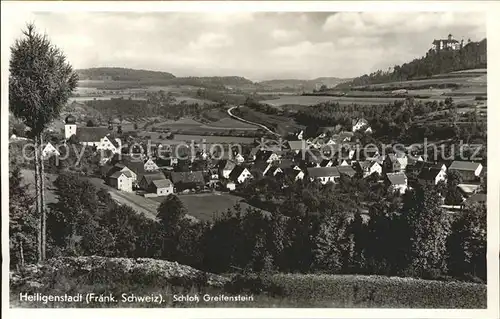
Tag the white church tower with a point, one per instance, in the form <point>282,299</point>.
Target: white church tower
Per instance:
<point>70,126</point>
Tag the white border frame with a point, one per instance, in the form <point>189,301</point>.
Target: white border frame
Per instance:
<point>11,9</point>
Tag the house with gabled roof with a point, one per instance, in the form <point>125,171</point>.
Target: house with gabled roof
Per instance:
<point>431,175</point>
<point>150,165</point>
<point>161,187</point>
<point>346,170</point>
<point>294,174</point>
<point>99,137</point>
<point>240,174</point>
<point>121,180</point>
<point>267,156</point>
<point>148,178</point>
<point>49,150</point>
<point>391,164</point>
<point>367,168</point>
<point>225,168</point>
<point>324,174</point>
<point>469,171</point>
<point>359,124</point>
<point>397,182</point>
<point>187,180</point>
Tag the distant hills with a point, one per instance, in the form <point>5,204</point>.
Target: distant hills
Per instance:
<point>300,85</point>
<point>147,77</point>
<point>122,74</point>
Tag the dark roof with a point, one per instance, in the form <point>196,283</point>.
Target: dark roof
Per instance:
<point>254,151</point>
<point>286,163</point>
<point>135,165</point>
<point>236,172</point>
<point>188,177</point>
<point>91,134</point>
<point>162,183</point>
<point>272,170</point>
<point>263,155</point>
<point>153,177</point>
<point>118,174</point>
<point>260,167</point>
<point>464,166</point>
<point>429,173</point>
<point>397,178</point>
<point>297,145</point>
<point>291,172</point>
<point>366,164</point>
<point>226,164</point>
<point>312,155</point>
<point>347,170</point>
<point>323,171</point>
<point>70,119</point>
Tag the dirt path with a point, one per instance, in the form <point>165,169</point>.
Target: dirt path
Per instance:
<point>250,122</point>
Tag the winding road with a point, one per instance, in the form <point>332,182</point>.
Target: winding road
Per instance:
<point>250,122</point>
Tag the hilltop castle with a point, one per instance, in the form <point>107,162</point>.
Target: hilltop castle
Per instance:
<point>447,44</point>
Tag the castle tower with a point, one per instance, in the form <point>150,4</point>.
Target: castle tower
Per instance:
<point>450,37</point>
<point>69,126</point>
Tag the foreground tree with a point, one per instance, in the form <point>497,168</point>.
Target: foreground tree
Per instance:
<point>428,227</point>
<point>467,244</point>
<point>40,83</point>
<point>22,222</point>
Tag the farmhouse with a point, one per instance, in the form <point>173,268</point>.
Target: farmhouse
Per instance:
<point>161,187</point>
<point>99,137</point>
<point>225,168</point>
<point>397,182</point>
<point>368,168</point>
<point>240,174</point>
<point>49,150</point>
<point>431,176</point>
<point>359,124</point>
<point>121,180</point>
<point>346,170</point>
<point>324,174</point>
<point>391,164</point>
<point>187,180</point>
<point>150,165</point>
<point>469,171</point>
<point>267,156</point>
<point>294,174</point>
<point>146,179</point>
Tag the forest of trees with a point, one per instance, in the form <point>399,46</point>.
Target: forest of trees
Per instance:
<point>471,56</point>
<point>408,236</point>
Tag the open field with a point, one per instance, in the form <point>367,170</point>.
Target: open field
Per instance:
<point>313,100</point>
<point>206,206</point>
<point>182,138</point>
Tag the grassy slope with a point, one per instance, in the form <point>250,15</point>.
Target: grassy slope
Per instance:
<point>146,276</point>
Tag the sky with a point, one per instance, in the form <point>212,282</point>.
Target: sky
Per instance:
<point>256,45</point>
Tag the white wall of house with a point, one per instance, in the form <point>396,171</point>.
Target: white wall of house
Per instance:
<point>326,179</point>
<point>69,130</point>
<point>124,183</point>
<point>244,176</point>
<point>49,149</point>
<point>150,165</point>
<point>165,191</point>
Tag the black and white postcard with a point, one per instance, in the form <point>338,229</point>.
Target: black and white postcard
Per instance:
<point>331,158</point>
